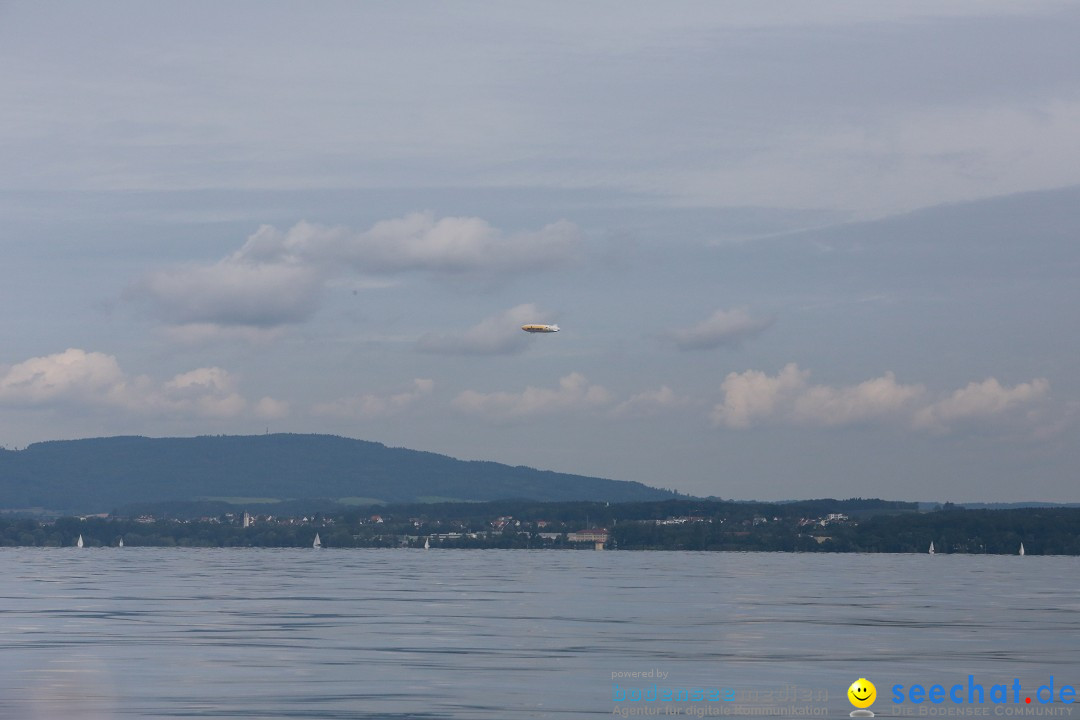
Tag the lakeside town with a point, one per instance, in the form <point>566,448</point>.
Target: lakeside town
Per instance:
<point>854,525</point>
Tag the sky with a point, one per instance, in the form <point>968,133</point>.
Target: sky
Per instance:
<point>796,250</point>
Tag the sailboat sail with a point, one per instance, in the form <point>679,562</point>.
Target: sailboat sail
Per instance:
<point>79,542</point>
<point>931,547</point>
<point>317,543</point>
<point>1021,548</point>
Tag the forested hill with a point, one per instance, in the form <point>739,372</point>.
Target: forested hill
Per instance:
<point>101,474</point>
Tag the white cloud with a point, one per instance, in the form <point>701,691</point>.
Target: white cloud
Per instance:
<point>71,375</point>
<point>755,398</point>
<point>210,391</point>
<point>277,278</point>
<point>416,242</point>
<point>370,405</point>
<point>752,396</point>
<point>233,294</point>
<point>981,401</point>
<point>77,378</point>
<point>870,400</point>
<point>573,394</point>
<point>651,402</point>
<point>499,334</point>
<point>723,327</point>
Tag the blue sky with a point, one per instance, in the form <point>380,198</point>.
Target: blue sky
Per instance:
<point>796,250</point>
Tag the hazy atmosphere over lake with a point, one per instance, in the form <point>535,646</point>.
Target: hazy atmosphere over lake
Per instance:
<point>795,249</point>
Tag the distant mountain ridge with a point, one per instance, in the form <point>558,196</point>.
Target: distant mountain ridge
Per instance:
<point>101,474</point>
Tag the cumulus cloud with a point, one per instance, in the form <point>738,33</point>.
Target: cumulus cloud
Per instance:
<point>755,398</point>
<point>981,401</point>
<point>71,375</point>
<point>574,393</point>
<point>209,390</point>
<point>650,402</point>
<point>369,406</point>
<point>870,400</point>
<point>233,293</point>
<point>723,327</point>
<point>79,378</point>
<point>277,277</point>
<point>417,241</point>
<point>499,334</point>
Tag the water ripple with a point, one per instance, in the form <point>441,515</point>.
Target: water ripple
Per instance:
<point>473,635</point>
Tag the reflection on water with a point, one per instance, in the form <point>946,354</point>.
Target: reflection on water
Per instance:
<point>261,633</point>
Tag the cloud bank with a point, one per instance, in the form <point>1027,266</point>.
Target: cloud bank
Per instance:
<point>277,277</point>
<point>231,293</point>
<point>979,401</point>
<point>754,398</point>
<point>76,378</point>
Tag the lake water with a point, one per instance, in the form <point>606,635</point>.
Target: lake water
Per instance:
<point>258,633</point>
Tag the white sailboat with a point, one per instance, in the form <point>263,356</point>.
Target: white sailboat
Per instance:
<point>121,542</point>
<point>1021,548</point>
<point>318,543</point>
<point>79,542</point>
<point>931,547</point>
<point>427,545</point>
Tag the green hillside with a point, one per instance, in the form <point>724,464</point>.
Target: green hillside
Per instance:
<point>101,474</point>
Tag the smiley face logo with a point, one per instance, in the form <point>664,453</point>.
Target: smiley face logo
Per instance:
<point>862,693</point>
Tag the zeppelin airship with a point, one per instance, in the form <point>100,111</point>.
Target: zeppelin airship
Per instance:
<point>540,328</point>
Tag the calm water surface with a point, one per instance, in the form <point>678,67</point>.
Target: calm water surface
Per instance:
<point>246,633</point>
